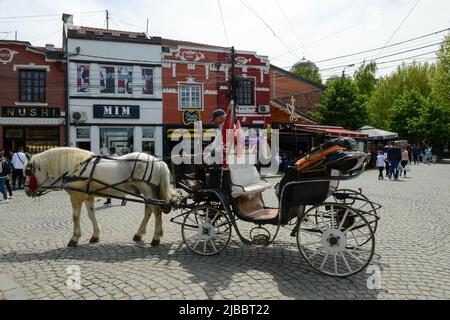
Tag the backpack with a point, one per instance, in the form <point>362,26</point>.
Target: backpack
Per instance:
<point>6,166</point>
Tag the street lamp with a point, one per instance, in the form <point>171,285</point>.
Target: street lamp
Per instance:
<point>348,66</point>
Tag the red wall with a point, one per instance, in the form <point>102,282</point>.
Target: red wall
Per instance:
<point>9,81</point>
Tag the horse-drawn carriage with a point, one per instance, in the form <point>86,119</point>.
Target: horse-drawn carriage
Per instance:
<point>334,228</point>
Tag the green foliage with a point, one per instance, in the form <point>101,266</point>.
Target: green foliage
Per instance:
<point>433,125</point>
<point>441,78</point>
<point>342,105</point>
<point>405,114</point>
<point>308,70</point>
<point>405,78</point>
<point>365,78</point>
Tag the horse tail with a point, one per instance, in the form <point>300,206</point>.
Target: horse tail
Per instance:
<point>165,190</point>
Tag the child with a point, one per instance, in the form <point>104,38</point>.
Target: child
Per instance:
<point>380,164</point>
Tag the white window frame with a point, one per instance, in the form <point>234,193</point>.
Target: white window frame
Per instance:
<point>83,139</point>
<point>181,84</point>
<point>149,139</point>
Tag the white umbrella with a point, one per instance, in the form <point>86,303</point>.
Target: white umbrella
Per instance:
<point>378,134</point>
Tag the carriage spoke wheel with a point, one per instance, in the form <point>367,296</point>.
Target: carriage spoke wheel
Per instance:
<point>335,247</point>
<point>360,202</point>
<point>206,230</point>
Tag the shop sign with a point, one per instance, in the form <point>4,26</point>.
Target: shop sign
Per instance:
<point>190,116</point>
<point>30,112</point>
<point>116,112</point>
<point>7,55</point>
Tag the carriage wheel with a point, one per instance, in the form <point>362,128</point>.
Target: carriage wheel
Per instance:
<point>206,230</point>
<point>336,248</point>
<point>361,203</point>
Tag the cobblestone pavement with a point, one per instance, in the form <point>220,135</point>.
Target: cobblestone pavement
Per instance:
<point>412,250</point>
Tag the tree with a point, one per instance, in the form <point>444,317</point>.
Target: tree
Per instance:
<point>342,105</point>
<point>388,89</point>
<point>433,125</point>
<point>365,78</point>
<point>441,77</point>
<point>308,70</point>
<point>405,114</point>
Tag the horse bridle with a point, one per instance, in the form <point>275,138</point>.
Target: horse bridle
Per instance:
<point>29,172</point>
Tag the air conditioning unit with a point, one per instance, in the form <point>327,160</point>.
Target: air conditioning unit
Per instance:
<point>78,117</point>
<point>263,109</point>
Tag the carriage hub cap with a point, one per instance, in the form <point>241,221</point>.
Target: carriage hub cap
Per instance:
<point>334,241</point>
<point>206,231</point>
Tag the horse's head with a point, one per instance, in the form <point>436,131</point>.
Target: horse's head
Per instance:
<point>33,178</point>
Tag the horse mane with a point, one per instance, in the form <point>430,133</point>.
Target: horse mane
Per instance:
<point>55,162</point>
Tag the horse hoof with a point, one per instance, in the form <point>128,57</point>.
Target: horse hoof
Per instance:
<point>137,238</point>
<point>72,243</point>
<point>155,243</point>
<point>94,240</point>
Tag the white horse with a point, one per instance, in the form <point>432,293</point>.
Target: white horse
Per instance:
<point>84,176</point>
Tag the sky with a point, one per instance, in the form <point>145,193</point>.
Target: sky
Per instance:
<point>284,30</point>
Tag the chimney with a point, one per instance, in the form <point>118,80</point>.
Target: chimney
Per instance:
<point>49,47</point>
<point>67,18</point>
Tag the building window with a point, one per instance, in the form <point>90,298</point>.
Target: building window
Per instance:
<point>147,78</point>
<point>119,138</point>
<point>107,80</point>
<point>246,92</point>
<point>148,140</point>
<point>125,80</point>
<point>84,133</point>
<point>190,96</point>
<point>82,78</point>
<point>32,85</point>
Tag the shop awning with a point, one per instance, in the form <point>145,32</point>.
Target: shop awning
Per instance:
<point>378,134</point>
<point>332,131</point>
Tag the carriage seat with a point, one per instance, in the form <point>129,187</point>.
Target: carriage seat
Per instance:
<point>246,181</point>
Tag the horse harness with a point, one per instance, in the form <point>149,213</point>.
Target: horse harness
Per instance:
<point>64,178</point>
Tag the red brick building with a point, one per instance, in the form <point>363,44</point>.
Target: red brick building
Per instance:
<point>306,96</point>
<point>196,81</point>
<point>32,97</point>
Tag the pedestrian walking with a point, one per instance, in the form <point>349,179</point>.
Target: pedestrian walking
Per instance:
<point>386,162</point>
<point>2,185</point>
<point>18,161</point>
<point>380,164</point>
<point>415,154</point>
<point>7,168</point>
<point>405,162</point>
<point>394,157</point>
<point>427,155</point>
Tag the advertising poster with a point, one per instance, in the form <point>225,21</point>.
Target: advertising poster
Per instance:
<point>125,84</point>
<point>82,78</point>
<point>107,80</point>
<point>147,77</point>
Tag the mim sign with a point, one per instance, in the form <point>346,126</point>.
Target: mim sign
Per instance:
<point>115,112</point>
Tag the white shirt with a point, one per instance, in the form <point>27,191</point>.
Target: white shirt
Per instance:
<point>18,160</point>
<point>380,160</point>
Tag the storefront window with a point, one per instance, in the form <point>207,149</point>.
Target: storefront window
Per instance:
<point>34,140</point>
<point>147,78</point>
<point>119,138</point>
<point>83,133</point>
<point>125,80</point>
<point>82,78</point>
<point>107,80</point>
<point>148,140</point>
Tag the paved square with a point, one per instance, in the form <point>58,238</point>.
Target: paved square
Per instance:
<point>412,252</point>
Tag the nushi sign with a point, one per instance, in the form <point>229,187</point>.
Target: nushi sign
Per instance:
<point>190,116</point>
<point>30,112</point>
<point>102,111</point>
<point>7,55</point>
